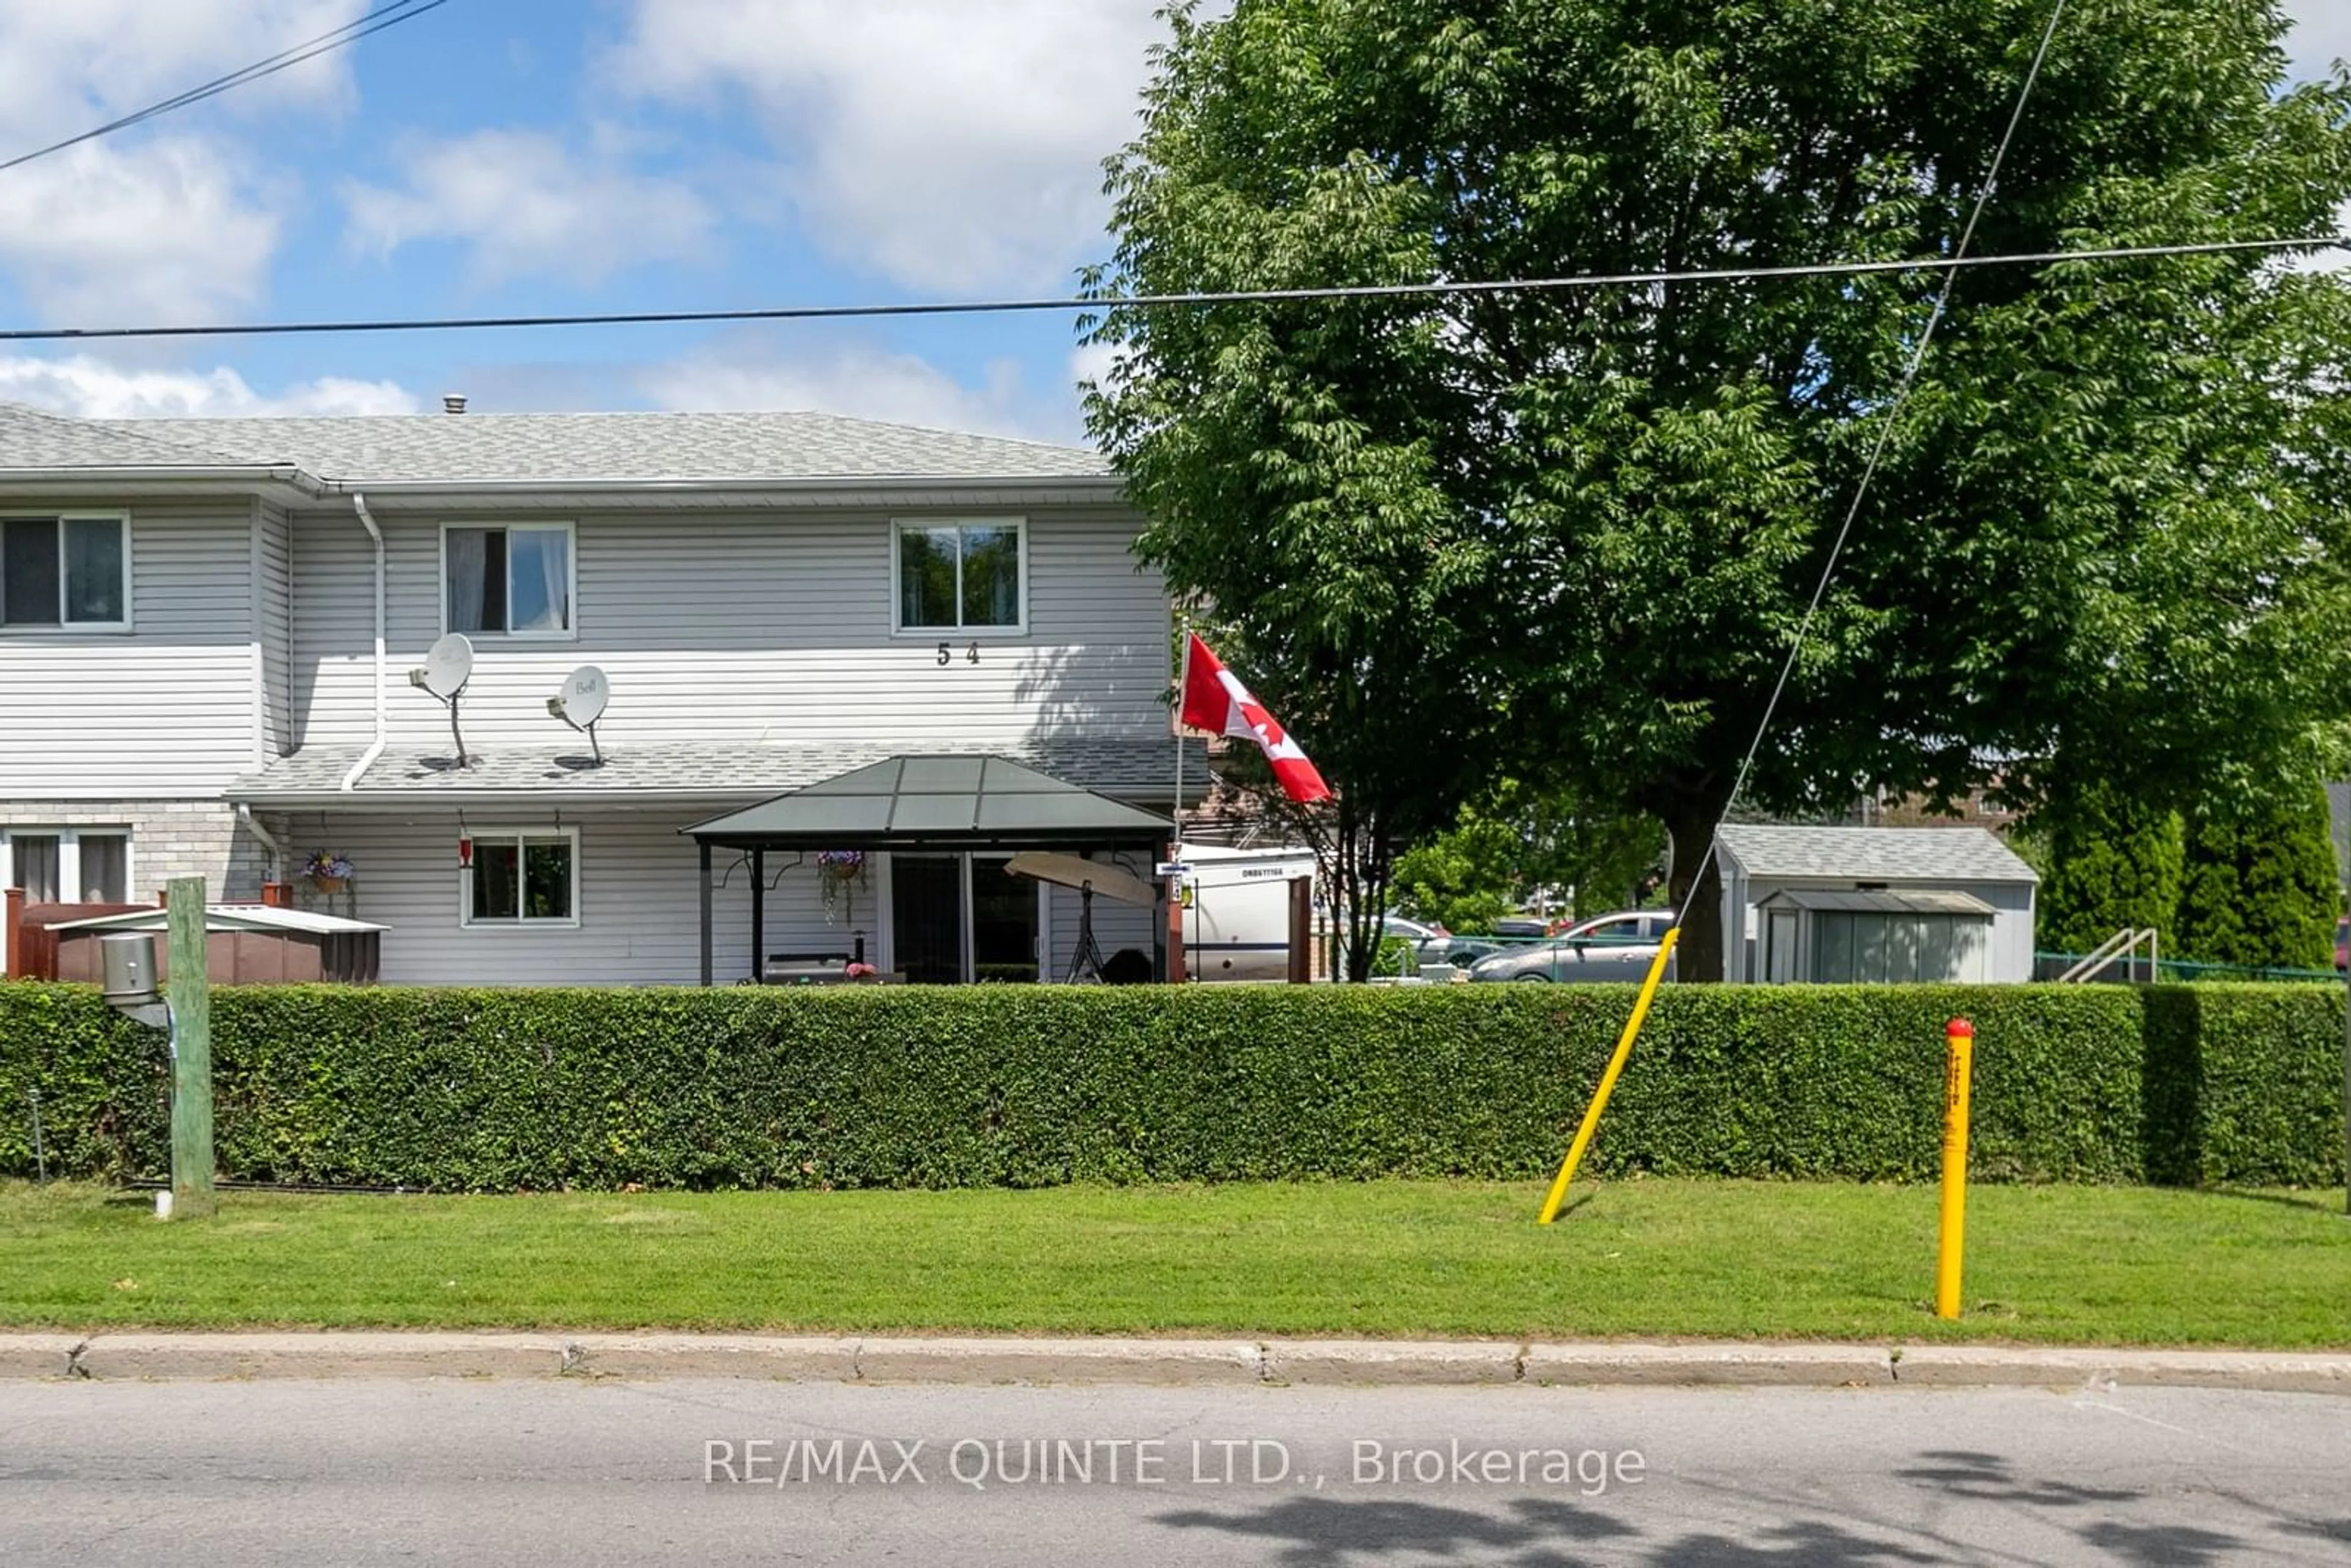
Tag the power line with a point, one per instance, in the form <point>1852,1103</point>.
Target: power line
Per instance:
<point>1156,301</point>
<point>350,33</point>
<point>1884,437</point>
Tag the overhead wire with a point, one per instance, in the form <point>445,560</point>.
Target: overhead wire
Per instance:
<point>1886,427</point>
<point>1080,304</point>
<point>350,33</point>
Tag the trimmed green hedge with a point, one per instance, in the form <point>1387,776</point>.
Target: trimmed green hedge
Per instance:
<point>1029,1086</point>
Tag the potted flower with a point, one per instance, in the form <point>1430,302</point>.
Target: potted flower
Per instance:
<point>327,869</point>
<point>836,872</point>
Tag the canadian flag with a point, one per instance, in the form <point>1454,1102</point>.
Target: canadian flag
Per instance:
<point>1214,700</point>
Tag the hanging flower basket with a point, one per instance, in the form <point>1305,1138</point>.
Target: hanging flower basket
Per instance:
<point>327,869</point>
<point>837,872</point>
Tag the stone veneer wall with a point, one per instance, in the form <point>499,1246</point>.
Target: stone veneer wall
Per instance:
<point>168,839</point>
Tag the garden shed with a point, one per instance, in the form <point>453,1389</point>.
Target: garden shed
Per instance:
<point>1874,905</point>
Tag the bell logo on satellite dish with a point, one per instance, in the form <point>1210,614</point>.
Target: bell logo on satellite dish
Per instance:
<point>448,666</point>
<point>580,704</point>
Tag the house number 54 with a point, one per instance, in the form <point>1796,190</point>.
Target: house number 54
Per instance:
<point>970,654</point>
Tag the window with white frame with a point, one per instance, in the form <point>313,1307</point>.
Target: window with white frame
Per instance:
<point>523,877</point>
<point>67,865</point>
<point>69,572</point>
<point>509,581</point>
<point>962,574</point>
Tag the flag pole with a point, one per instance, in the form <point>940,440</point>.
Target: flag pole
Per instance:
<point>1177,969</point>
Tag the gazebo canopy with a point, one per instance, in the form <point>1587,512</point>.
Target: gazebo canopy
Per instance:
<point>945,803</point>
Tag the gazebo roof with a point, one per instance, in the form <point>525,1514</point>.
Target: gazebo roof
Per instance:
<point>939,801</point>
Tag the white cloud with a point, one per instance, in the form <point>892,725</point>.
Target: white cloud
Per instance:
<point>169,224</point>
<point>94,389</point>
<point>170,232</point>
<point>68,65</point>
<point>2320,36</point>
<point>527,206</point>
<point>757,369</point>
<point>947,143</point>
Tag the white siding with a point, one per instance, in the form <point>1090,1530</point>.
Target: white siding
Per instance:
<point>273,577</point>
<point>760,625</point>
<point>166,709</point>
<point>638,879</point>
<point>639,915</point>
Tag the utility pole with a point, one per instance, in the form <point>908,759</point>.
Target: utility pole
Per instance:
<point>189,991</point>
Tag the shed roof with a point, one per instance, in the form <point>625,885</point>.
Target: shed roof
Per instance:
<point>939,801</point>
<point>227,917</point>
<point>1871,854</point>
<point>1909,901</point>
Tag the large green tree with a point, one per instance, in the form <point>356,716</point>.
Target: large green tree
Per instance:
<point>2259,886</point>
<point>2115,864</point>
<point>2113,514</point>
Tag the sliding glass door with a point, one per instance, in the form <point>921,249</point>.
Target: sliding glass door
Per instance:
<point>956,918</point>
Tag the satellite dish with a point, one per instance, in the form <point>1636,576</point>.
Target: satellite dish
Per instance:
<point>581,703</point>
<point>584,696</point>
<point>448,666</point>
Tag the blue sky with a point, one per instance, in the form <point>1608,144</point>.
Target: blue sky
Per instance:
<point>499,156</point>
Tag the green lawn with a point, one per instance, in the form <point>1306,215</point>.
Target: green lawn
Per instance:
<point>2059,1264</point>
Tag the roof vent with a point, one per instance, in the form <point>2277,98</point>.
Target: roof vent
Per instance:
<point>452,403</point>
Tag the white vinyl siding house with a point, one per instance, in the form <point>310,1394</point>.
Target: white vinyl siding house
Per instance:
<point>737,579</point>
<point>765,626</point>
<point>162,707</point>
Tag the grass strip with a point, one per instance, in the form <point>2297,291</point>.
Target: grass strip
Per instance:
<point>2061,1265</point>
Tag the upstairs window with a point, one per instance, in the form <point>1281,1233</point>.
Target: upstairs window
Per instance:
<point>507,582</point>
<point>67,572</point>
<point>957,576</point>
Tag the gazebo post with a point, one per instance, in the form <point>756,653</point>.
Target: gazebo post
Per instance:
<point>758,914</point>
<point>705,844</point>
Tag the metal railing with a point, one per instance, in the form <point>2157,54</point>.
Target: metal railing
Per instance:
<point>2122,946</point>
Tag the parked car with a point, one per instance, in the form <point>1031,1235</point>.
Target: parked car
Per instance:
<point>1620,945</point>
<point>1520,925</point>
<point>1433,944</point>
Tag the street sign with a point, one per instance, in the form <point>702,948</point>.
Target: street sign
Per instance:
<point>1171,868</point>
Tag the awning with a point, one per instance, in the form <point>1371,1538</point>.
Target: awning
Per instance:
<point>1907,900</point>
<point>937,801</point>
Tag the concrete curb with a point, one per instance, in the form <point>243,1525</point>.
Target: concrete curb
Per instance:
<point>1980,1366</point>
<point>1765,1365</point>
<point>116,1357</point>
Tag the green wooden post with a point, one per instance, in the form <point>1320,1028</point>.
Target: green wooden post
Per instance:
<point>189,991</point>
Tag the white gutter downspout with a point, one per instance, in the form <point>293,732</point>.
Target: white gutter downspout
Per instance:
<point>264,837</point>
<point>375,749</point>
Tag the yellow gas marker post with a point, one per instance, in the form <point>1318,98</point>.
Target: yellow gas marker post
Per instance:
<point>1958,1066</point>
<point>1608,1079</point>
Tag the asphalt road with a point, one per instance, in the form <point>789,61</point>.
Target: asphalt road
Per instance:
<point>728,1472</point>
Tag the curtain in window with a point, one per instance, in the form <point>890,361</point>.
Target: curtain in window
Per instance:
<point>35,866</point>
<point>468,575</point>
<point>540,571</point>
<point>105,868</point>
<point>93,570</point>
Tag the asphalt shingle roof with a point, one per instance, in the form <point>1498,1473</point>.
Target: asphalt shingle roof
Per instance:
<point>1129,769</point>
<point>398,448</point>
<point>30,438</point>
<point>1873,855</point>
